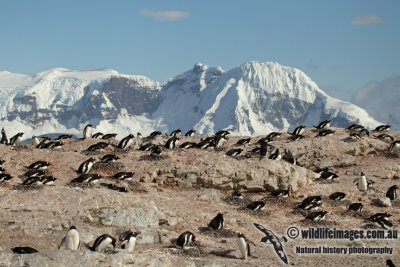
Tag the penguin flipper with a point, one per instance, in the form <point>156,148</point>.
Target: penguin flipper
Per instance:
<point>62,241</point>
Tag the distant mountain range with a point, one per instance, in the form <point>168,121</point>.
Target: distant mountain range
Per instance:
<point>251,99</point>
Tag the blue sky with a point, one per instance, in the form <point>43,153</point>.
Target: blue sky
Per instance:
<point>340,44</point>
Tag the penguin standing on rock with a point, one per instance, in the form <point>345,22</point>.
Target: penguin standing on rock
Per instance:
<point>244,246</point>
<point>217,223</point>
<point>35,141</point>
<point>299,130</point>
<point>16,140</point>
<point>86,166</point>
<point>71,239</point>
<point>323,124</point>
<point>176,133</point>
<point>172,142</point>
<point>126,142</point>
<point>185,239</point>
<point>87,131</point>
<point>362,183</point>
<point>190,133</point>
<point>4,139</point>
<point>103,242</point>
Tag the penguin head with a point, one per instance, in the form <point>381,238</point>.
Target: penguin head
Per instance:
<point>240,235</point>
<point>135,234</point>
<point>362,174</point>
<point>72,227</point>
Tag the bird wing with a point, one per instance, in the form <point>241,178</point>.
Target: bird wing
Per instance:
<point>269,235</point>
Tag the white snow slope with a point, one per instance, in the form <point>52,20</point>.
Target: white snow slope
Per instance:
<point>251,99</point>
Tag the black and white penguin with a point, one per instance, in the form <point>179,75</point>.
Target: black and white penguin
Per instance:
<point>103,242</point>
<point>352,137</point>
<point>384,215</point>
<point>355,127</point>
<point>4,139</point>
<point>114,187</point>
<point>236,194</point>
<point>5,177</point>
<point>298,130</point>
<point>64,136</point>
<point>392,192</point>
<point>234,152</point>
<point>327,175</point>
<point>109,158</point>
<point>263,150</point>
<point>155,134</point>
<point>53,144</point>
<point>35,141</point>
<point>296,137</point>
<point>317,216</point>
<point>71,239</point>
<point>311,203</point>
<point>155,150</point>
<point>281,193</point>
<point>32,181</point>
<point>123,176</point>
<point>97,135</point>
<point>356,206</point>
<point>39,165</point>
<point>272,136</point>
<point>363,132</point>
<point>185,239</point>
<point>389,263</point>
<point>86,179</point>
<point>217,223</point>
<point>325,132</point>
<point>206,143</point>
<point>244,246</point>
<point>109,136</point>
<point>337,196</point>
<point>222,133</point>
<point>97,146</point>
<point>126,142</point>
<point>42,142</point>
<point>146,147</point>
<point>323,124</point>
<point>176,133</point>
<point>172,142</point>
<point>2,170</point>
<point>276,155</point>
<point>87,131</point>
<point>187,145</point>
<point>48,180</point>
<point>382,222</point>
<point>243,141</point>
<point>24,250</point>
<point>128,240</point>
<point>2,161</point>
<point>190,133</point>
<point>394,146</point>
<point>362,183</point>
<point>385,137</point>
<point>86,166</point>
<point>16,140</point>
<point>34,173</point>
<point>256,205</point>
<point>218,141</point>
<point>382,128</point>
<point>320,170</point>
<point>289,157</point>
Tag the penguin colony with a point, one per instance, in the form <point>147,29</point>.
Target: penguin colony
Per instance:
<point>36,175</point>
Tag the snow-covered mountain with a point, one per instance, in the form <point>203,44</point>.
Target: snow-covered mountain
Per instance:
<point>251,99</point>
<point>380,99</point>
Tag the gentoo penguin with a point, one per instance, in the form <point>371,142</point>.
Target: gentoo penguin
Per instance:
<point>236,194</point>
<point>310,203</point>
<point>123,176</point>
<point>185,239</point>
<point>222,133</point>
<point>394,146</point>
<point>317,216</point>
<point>39,165</point>
<point>103,242</point>
<point>172,142</point>
<point>128,240</point>
<point>323,124</point>
<point>327,175</point>
<point>86,166</point>
<point>2,170</point>
<point>325,132</point>
<point>32,181</point>
<point>296,137</point>
<point>243,141</point>
<point>362,183</point>
<point>4,139</point>
<point>337,196</point>
<point>47,180</point>
<point>389,263</point>
<point>263,150</point>
<point>155,134</point>
<point>2,162</point>
<point>217,223</point>
<point>71,239</point>
<point>5,177</point>
<point>109,136</point>
<point>190,133</point>
<point>42,143</point>
<point>272,136</point>
<point>24,250</point>
<point>281,193</point>
<point>363,132</point>
<point>205,144</point>
<point>176,133</point>
<point>155,150</point>
<point>384,215</point>
<point>87,131</point>
<point>356,206</point>
<point>97,146</point>
<point>85,179</point>
<point>16,140</point>
<point>109,158</point>
<point>64,136</point>
<point>188,145</point>
<point>320,170</point>
<point>114,187</point>
<point>234,152</point>
<point>276,155</point>
<point>146,147</point>
<point>382,128</point>
<point>53,144</point>
<point>299,130</point>
<point>34,173</point>
<point>355,127</point>
<point>382,222</point>
<point>244,246</point>
<point>385,137</point>
<point>256,205</point>
<point>97,135</point>
<point>288,157</point>
<point>392,192</point>
<point>126,141</point>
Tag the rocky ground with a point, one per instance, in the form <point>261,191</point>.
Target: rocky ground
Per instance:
<point>183,190</point>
